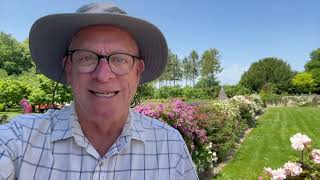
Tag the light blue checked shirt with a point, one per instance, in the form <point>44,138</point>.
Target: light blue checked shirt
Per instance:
<point>52,146</point>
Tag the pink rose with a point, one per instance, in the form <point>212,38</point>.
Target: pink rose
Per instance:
<point>315,154</point>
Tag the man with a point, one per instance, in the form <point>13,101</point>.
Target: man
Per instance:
<point>103,55</point>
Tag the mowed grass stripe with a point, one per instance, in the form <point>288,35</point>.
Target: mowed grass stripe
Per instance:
<point>268,144</point>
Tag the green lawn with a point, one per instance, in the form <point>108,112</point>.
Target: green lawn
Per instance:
<point>12,112</point>
<point>268,144</point>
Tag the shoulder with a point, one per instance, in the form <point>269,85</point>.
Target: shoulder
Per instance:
<point>24,125</point>
<point>31,121</point>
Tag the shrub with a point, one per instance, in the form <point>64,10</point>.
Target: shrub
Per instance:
<point>12,91</point>
<point>210,128</point>
<point>146,91</point>
<point>2,107</point>
<point>297,100</point>
<point>233,90</point>
<point>222,129</point>
<point>270,98</point>
<point>185,118</point>
<point>169,92</point>
<point>194,93</point>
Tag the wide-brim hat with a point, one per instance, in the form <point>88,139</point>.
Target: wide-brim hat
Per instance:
<point>50,35</point>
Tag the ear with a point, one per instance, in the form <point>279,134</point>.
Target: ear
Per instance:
<point>141,66</point>
<point>67,68</point>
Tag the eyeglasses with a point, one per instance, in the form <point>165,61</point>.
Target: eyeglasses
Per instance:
<point>86,61</point>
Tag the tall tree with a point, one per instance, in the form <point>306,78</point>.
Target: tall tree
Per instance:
<point>14,56</point>
<point>265,71</point>
<point>304,82</point>
<point>186,66</point>
<point>313,66</point>
<point>210,65</point>
<point>314,60</point>
<point>176,69</point>
<point>194,60</point>
<point>166,75</point>
<point>26,60</point>
<point>173,71</point>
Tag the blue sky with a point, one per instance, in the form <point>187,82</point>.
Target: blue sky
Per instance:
<point>243,31</point>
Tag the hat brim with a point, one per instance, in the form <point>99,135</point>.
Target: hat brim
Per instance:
<point>50,35</point>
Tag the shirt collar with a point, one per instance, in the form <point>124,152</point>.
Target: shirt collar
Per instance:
<point>133,127</point>
<point>66,125</point>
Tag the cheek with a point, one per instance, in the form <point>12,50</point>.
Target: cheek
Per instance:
<point>132,83</point>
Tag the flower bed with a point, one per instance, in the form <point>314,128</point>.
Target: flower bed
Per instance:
<point>210,128</point>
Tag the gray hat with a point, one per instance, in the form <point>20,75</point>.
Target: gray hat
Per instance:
<point>50,35</point>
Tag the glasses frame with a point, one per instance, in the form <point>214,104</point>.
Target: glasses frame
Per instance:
<point>69,53</point>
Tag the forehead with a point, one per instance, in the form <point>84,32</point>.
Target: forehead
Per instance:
<point>103,35</point>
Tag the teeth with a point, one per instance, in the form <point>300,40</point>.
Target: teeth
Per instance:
<point>105,94</point>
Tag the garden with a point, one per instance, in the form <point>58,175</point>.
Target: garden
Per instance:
<point>264,127</point>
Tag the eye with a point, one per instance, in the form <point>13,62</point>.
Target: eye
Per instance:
<point>87,57</point>
<point>84,58</point>
<point>119,59</point>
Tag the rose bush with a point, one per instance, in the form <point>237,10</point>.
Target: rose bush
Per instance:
<point>211,128</point>
<point>306,167</point>
<point>184,118</point>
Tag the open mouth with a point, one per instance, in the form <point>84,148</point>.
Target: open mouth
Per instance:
<point>105,94</point>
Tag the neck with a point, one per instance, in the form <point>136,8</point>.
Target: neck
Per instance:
<point>102,132</point>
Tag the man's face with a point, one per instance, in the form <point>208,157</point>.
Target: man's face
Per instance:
<point>102,93</point>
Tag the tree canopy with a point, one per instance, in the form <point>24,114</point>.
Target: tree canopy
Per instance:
<point>314,60</point>
<point>268,70</point>
<point>210,66</point>
<point>14,56</point>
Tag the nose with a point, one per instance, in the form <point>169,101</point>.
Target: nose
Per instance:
<point>103,72</point>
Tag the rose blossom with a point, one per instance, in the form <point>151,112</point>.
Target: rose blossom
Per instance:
<point>268,170</point>
<point>315,154</point>
<point>278,174</point>
<point>292,169</point>
<point>299,141</point>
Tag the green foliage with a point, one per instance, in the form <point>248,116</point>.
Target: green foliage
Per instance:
<point>226,121</point>
<point>270,98</point>
<point>3,73</point>
<point>38,96</point>
<point>173,71</point>
<point>14,56</point>
<point>147,90</point>
<point>269,88</point>
<point>267,70</point>
<point>233,90</point>
<point>2,107</point>
<point>195,93</point>
<point>207,82</point>
<point>188,92</point>
<point>316,77</point>
<point>35,87</point>
<point>187,70</point>
<point>314,60</point>
<point>12,91</point>
<point>210,66</point>
<point>195,65</point>
<point>169,92</point>
<point>304,82</point>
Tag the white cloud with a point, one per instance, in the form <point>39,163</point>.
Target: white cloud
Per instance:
<point>231,74</point>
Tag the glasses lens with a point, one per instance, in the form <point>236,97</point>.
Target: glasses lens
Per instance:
<point>85,61</point>
<point>120,63</point>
